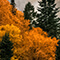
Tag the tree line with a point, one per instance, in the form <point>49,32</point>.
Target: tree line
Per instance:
<point>47,18</point>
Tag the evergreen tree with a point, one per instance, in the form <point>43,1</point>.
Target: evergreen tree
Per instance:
<point>5,48</point>
<point>29,13</point>
<point>58,52</point>
<point>47,17</point>
<point>58,30</point>
<point>13,8</point>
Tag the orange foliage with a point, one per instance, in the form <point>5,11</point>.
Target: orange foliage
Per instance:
<point>34,44</point>
<point>38,46</point>
<point>6,16</point>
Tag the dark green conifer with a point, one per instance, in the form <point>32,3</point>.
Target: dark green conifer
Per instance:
<point>47,17</point>
<point>29,13</point>
<point>13,7</point>
<point>58,30</point>
<point>58,51</point>
<point>5,48</point>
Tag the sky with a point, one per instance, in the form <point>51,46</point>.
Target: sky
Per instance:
<point>20,4</point>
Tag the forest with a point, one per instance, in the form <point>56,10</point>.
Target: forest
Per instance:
<point>29,35</point>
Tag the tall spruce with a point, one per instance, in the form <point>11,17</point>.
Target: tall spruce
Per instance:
<point>29,13</point>
<point>5,48</point>
<point>47,18</point>
<point>58,51</point>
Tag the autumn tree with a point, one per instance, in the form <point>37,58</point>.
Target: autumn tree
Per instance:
<point>6,48</point>
<point>47,17</point>
<point>39,46</point>
<point>27,44</point>
<point>36,48</point>
<point>25,47</point>
<point>29,13</point>
<point>8,18</point>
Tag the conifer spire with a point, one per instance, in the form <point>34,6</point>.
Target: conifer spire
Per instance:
<point>47,17</point>
<point>13,4</point>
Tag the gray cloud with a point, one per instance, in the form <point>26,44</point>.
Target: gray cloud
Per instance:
<point>20,4</point>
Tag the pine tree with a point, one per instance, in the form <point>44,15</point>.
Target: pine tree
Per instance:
<point>5,48</point>
<point>29,13</point>
<point>58,30</point>
<point>58,52</point>
<point>13,7</point>
<point>47,17</point>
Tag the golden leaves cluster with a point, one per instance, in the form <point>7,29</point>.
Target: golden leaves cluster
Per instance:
<point>38,45</point>
<point>7,17</point>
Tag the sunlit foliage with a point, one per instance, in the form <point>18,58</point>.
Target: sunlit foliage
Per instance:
<point>28,44</point>
<point>7,17</point>
<point>38,46</point>
<point>34,44</point>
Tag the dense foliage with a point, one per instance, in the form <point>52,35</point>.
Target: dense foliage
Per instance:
<point>6,48</point>
<point>58,30</point>
<point>32,45</point>
<point>47,16</point>
<point>38,45</point>
<point>14,34</point>
<point>27,44</point>
<point>8,18</point>
<point>29,13</point>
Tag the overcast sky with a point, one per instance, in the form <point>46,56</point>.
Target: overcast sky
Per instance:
<point>20,4</point>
